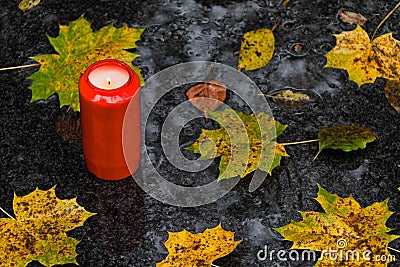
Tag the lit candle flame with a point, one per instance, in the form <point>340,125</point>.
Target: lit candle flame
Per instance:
<point>108,81</point>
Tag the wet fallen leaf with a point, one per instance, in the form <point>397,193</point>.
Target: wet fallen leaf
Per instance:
<point>344,227</point>
<point>26,5</point>
<point>38,231</point>
<point>187,249</point>
<point>257,49</point>
<point>392,93</point>
<point>285,2</point>
<point>297,47</point>
<point>207,95</point>
<point>242,145</point>
<point>78,47</point>
<point>345,137</point>
<point>365,60</point>
<point>290,99</point>
<point>69,128</point>
<point>352,18</point>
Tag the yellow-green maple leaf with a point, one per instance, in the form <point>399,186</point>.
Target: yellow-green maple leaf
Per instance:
<point>38,231</point>
<point>257,49</point>
<point>78,47</point>
<point>365,60</point>
<point>344,227</point>
<point>245,143</point>
<point>344,137</point>
<point>194,250</point>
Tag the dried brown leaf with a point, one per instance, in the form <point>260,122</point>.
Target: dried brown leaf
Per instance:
<point>69,128</point>
<point>392,93</point>
<point>352,18</point>
<point>209,95</point>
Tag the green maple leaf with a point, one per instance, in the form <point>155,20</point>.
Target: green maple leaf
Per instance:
<point>344,137</point>
<point>344,226</point>
<point>38,231</point>
<point>78,47</point>
<point>245,143</point>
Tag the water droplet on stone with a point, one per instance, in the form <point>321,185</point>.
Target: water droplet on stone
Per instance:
<point>173,27</point>
<point>205,20</point>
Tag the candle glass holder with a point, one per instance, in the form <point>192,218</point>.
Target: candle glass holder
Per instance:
<point>105,90</point>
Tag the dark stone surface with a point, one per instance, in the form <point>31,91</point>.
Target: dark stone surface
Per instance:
<point>130,227</point>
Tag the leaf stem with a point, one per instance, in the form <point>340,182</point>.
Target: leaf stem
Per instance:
<point>384,19</point>
<point>6,213</point>
<point>276,25</point>
<point>271,96</point>
<point>319,151</point>
<point>20,67</point>
<point>299,142</point>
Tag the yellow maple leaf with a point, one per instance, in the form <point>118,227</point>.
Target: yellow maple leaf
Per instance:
<point>290,99</point>
<point>194,250</point>
<point>257,49</point>
<point>365,60</point>
<point>38,231</point>
<point>26,5</point>
<point>346,234</point>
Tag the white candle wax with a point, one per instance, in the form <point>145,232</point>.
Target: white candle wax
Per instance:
<point>108,77</point>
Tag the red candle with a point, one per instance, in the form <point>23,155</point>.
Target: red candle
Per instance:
<point>105,90</point>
